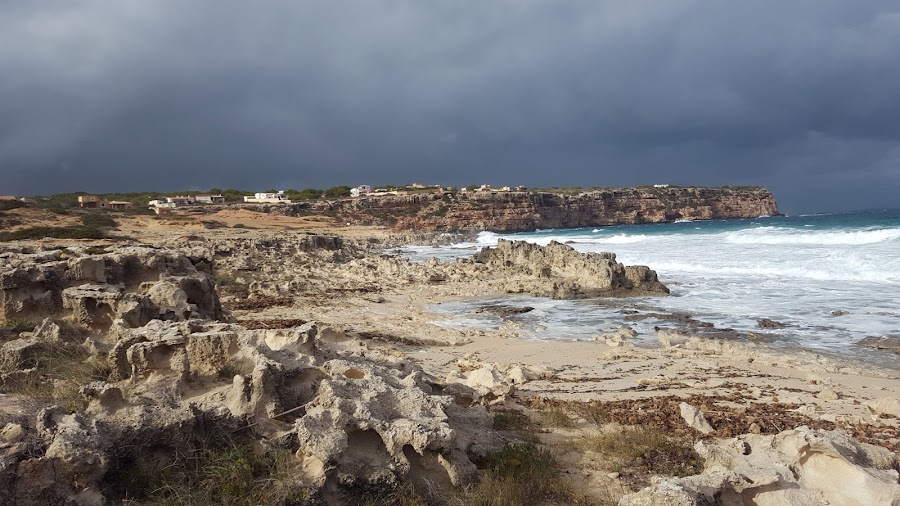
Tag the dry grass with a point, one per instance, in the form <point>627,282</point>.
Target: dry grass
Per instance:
<point>594,412</point>
<point>638,452</point>
<point>54,371</point>
<point>220,470</point>
<point>557,418</point>
<point>512,421</point>
<point>520,474</point>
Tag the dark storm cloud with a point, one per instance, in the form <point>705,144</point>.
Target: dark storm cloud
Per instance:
<point>798,95</point>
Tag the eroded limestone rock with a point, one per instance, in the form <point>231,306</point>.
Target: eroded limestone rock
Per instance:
<point>558,271</point>
<point>795,467</point>
<point>135,284</point>
<point>354,417</point>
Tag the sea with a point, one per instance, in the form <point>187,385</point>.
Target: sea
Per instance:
<point>832,279</point>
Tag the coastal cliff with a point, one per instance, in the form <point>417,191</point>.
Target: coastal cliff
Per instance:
<point>499,211</point>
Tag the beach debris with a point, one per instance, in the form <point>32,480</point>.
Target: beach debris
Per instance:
<point>694,418</point>
<point>766,323</point>
<point>799,466</point>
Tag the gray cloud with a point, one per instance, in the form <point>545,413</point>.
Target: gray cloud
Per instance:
<point>797,95</point>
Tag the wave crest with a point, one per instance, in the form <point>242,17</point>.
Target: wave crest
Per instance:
<point>786,236</point>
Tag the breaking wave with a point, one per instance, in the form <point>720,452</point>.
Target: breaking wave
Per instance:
<point>789,236</point>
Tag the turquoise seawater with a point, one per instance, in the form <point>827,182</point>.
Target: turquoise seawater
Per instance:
<point>796,270</point>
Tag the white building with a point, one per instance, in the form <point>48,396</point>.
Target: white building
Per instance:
<point>181,200</point>
<point>162,206</point>
<point>362,189</point>
<point>210,199</point>
<point>268,198</point>
<point>660,186</point>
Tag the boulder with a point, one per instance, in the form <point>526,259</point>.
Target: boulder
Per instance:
<point>886,406</point>
<point>888,343</point>
<point>616,338</point>
<point>558,271</point>
<point>671,337</point>
<point>795,467</point>
<point>766,323</point>
<point>694,418</point>
<point>503,310</point>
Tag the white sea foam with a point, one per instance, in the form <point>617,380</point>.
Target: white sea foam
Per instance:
<point>788,236</point>
<point>793,270</point>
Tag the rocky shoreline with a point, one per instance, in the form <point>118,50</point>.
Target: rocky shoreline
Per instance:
<point>313,359</point>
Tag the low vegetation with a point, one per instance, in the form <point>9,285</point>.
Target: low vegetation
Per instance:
<point>556,417</point>
<point>53,371</point>
<point>638,452</point>
<point>70,232</point>
<point>520,474</point>
<point>226,470</point>
<point>6,205</point>
<point>98,220</point>
<point>512,421</point>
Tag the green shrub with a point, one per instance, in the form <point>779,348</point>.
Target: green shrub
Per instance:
<point>6,205</point>
<point>97,220</point>
<point>70,232</point>
<point>337,191</point>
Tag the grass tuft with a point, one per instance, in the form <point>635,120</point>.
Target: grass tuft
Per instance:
<point>556,417</point>
<point>520,474</point>
<point>639,450</point>
<point>60,369</point>
<point>221,470</point>
<point>512,421</point>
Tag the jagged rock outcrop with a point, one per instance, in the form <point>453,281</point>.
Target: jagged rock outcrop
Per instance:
<point>290,265</point>
<point>355,418</point>
<point>519,211</point>
<point>558,271</point>
<point>135,284</point>
<point>796,467</point>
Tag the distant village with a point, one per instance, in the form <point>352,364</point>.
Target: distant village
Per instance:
<point>165,205</point>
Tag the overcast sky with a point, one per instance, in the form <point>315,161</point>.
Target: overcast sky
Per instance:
<point>802,96</point>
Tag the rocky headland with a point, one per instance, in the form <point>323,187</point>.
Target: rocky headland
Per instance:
<point>258,367</point>
<point>512,211</point>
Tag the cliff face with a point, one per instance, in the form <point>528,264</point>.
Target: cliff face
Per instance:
<point>521,211</point>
